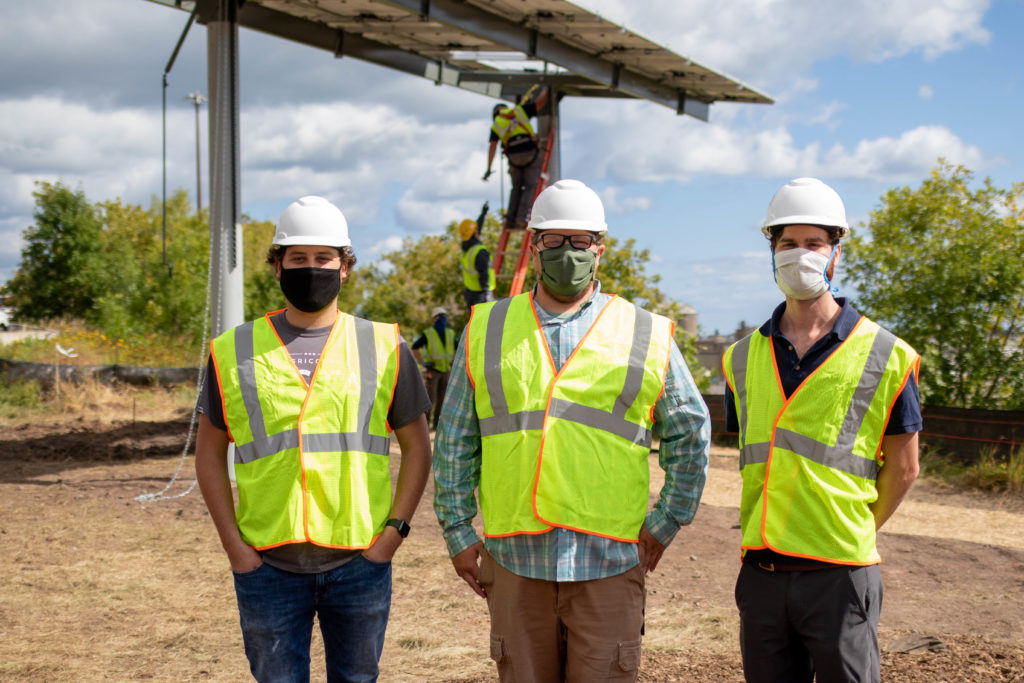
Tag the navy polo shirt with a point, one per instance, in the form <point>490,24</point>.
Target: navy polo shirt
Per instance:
<point>906,411</point>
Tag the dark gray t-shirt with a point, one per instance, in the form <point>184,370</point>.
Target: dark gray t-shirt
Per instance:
<point>305,345</point>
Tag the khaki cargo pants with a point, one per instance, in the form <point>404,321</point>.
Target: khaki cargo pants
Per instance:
<point>575,631</point>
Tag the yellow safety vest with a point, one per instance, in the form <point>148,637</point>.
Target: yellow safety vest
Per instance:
<point>470,276</point>
<point>311,461</point>
<point>809,462</point>
<point>568,448</point>
<point>439,354</point>
<point>510,122</point>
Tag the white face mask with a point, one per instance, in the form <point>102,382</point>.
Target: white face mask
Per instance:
<point>800,273</point>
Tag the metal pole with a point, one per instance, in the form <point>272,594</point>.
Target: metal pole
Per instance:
<point>547,124</point>
<point>198,98</point>
<point>225,181</point>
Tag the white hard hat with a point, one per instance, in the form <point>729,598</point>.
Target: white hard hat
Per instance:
<point>806,201</point>
<point>438,310</point>
<point>312,220</point>
<point>568,205</point>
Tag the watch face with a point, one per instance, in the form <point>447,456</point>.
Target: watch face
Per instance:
<point>400,525</point>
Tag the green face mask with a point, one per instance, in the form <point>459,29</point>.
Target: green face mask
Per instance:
<point>567,271</point>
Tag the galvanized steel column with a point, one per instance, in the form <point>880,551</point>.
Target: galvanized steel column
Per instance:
<point>546,122</point>
<point>227,307</point>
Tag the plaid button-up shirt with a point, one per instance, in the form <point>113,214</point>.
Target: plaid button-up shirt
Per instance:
<point>681,422</point>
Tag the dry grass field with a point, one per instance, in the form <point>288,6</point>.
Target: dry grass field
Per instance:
<point>95,586</point>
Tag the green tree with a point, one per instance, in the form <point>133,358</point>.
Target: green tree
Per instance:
<point>56,275</point>
<point>942,268</point>
<point>140,293</point>
<point>623,271</point>
<point>262,292</point>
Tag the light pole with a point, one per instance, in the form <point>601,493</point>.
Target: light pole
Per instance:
<point>197,98</point>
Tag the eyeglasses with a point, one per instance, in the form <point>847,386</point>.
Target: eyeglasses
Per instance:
<point>553,241</point>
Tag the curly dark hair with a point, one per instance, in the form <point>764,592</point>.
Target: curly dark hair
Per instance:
<point>833,234</point>
<point>348,257</point>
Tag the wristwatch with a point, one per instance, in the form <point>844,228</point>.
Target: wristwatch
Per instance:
<point>400,525</point>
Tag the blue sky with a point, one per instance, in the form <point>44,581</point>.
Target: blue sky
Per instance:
<point>868,95</point>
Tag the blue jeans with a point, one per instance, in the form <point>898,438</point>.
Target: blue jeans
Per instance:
<point>276,608</point>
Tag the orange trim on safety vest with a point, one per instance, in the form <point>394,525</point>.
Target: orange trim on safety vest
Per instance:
<point>879,455</point>
<point>520,533</point>
<point>220,389</point>
<point>664,371</point>
<point>465,343</point>
<point>319,545</point>
<point>398,370</point>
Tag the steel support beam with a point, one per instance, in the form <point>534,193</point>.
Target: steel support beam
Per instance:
<point>548,123</point>
<point>478,22</point>
<point>227,307</point>
<point>282,25</point>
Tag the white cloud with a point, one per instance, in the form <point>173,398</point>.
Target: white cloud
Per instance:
<point>909,157</point>
<point>768,41</point>
<point>615,203</point>
<point>925,91</point>
<point>678,149</point>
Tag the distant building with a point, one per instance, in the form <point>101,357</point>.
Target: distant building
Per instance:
<point>710,350</point>
<point>688,320</point>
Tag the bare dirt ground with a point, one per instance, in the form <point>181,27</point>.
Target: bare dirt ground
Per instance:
<point>95,586</point>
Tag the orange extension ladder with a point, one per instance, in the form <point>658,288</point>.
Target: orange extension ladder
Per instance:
<point>519,275</point>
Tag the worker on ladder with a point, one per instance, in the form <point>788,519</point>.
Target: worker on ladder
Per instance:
<point>478,277</point>
<point>511,126</point>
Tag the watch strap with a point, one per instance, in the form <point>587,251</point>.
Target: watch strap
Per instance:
<point>401,526</point>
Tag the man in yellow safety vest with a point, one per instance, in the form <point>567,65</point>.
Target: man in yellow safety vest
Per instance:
<point>554,399</point>
<point>478,278</point>
<point>826,406</point>
<point>309,396</point>
<point>438,348</point>
<point>510,126</point>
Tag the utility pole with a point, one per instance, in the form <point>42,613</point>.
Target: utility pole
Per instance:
<point>197,98</point>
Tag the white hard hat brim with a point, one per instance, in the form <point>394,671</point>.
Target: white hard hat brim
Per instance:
<point>589,226</point>
<point>309,240</point>
<point>844,230</point>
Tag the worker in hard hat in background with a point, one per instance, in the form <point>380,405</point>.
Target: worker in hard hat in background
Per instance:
<point>478,278</point>
<point>511,127</point>
<point>554,399</point>
<point>438,349</point>
<point>827,410</point>
<point>309,396</point>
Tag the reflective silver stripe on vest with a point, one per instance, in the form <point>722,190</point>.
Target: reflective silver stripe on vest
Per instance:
<point>515,422</point>
<point>754,453</point>
<point>367,371</point>
<point>830,456</point>
<point>314,443</point>
<point>637,362</point>
<point>839,456</point>
<point>267,445</point>
<point>504,422</point>
<point>245,359</point>
<point>600,419</point>
<point>346,441</point>
<point>740,358</point>
<point>264,444</point>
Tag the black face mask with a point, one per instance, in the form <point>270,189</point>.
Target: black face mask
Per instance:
<point>310,289</point>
